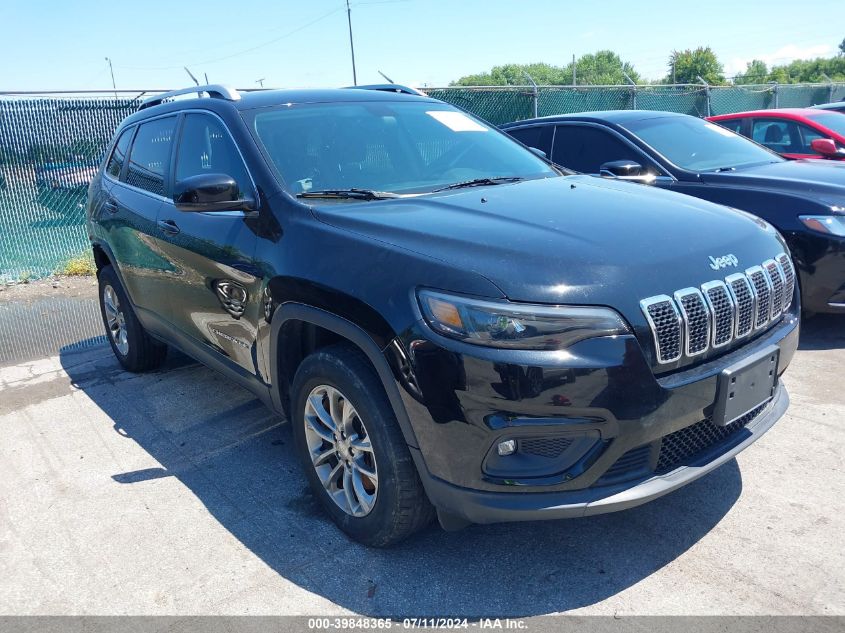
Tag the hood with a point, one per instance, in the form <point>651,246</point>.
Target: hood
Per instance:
<point>806,178</point>
<point>576,239</point>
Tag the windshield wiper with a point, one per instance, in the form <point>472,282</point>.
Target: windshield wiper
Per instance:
<point>347,194</point>
<point>480,182</point>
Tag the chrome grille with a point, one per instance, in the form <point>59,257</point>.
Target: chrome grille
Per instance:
<point>665,321</point>
<point>743,297</point>
<point>722,310</point>
<point>789,279</point>
<point>763,290</point>
<point>693,320</point>
<point>775,275</point>
<point>696,320</point>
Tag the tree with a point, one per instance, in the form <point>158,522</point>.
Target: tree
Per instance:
<point>602,68</point>
<point>514,75</point>
<point>810,70</point>
<point>599,68</point>
<point>685,67</point>
<point>842,47</point>
<point>756,72</point>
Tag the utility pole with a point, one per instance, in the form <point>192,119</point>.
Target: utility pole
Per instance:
<point>573,69</point>
<point>351,43</point>
<point>111,70</point>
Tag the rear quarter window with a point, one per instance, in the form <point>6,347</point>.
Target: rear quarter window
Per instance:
<point>118,155</point>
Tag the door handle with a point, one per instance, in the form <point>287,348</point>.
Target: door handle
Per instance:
<point>110,205</point>
<point>168,226</point>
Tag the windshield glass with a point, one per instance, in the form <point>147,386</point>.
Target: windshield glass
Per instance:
<point>831,120</point>
<point>388,146</point>
<point>697,145</point>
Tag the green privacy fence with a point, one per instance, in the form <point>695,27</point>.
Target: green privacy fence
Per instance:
<point>502,105</point>
<point>50,145</point>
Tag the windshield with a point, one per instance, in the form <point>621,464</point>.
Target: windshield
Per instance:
<point>833,121</point>
<point>388,146</point>
<point>697,145</point>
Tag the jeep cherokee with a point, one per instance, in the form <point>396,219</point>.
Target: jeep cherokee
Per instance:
<point>449,322</point>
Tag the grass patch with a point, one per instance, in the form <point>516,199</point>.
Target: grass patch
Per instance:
<point>80,266</point>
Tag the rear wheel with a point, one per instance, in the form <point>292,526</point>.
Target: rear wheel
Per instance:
<point>134,348</point>
<point>355,457</point>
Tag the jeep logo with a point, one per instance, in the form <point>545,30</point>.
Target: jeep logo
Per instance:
<point>723,262</point>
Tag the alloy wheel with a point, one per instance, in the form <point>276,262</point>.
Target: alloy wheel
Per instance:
<point>115,320</point>
<point>340,450</point>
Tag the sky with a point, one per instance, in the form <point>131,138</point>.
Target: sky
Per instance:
<point>63,45</point>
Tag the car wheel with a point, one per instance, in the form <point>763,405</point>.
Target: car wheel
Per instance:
<point>134,348</point>
<point>353,451</point>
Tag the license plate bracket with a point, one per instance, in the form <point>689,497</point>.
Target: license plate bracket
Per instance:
<point>745,385</point>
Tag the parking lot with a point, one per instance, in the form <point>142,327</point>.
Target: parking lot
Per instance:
<point>177,493</point>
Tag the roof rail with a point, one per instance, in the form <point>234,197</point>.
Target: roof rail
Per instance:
<point>215,91</point>
<point>405,90</point>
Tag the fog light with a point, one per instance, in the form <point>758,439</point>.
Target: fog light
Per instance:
<point>508,447</point>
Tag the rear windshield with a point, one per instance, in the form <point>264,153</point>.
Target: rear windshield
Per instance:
<point>392,146</point>
<point>698,145</point>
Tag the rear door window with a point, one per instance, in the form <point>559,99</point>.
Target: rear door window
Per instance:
<point>149,158</point>
<point>538,136</point>
<point>734,125</point>
<point>779,136</point>
<point>586,149</point>
<point>118,155</point>
<point>206,147</point>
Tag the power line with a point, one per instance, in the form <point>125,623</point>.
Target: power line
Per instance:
<point>244,51</point>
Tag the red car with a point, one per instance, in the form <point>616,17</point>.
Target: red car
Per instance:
<point>791,132</point>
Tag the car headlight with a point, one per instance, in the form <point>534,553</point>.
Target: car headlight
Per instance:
<point>827,224</point>
<point>516,326</point>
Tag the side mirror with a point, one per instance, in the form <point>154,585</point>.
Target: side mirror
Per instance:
<point>539,152</point>
<point>826,147</point>
<point>210,192</point>
<point>626,169</point>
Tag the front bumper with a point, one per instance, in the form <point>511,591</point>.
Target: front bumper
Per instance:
<point>495,507</point>
<point>463,400</point>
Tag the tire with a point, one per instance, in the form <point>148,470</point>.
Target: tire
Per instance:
<point>134,348</point>
<point>398,505</point>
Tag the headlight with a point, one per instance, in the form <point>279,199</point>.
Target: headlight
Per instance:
<point>516,326</point>
<point>827,224</point>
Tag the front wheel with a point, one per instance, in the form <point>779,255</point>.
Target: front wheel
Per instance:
<point>355,457</point>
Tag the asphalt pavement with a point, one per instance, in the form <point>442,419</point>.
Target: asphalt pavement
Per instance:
<point>177,493</point>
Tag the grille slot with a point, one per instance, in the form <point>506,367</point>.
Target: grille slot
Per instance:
<point>763,290</point>
<point>696,320</point>
<point>665,323</point>
<point>548,447</point>
<point>776,279</point>
<point>743,298</point>
<point>684,446</point>
<point>722,310</point>
<point>631,465</point>
<point>789,279</point>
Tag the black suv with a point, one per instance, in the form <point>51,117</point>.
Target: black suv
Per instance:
<point>448,321</point>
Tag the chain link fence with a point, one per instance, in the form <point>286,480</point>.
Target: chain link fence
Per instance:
<point>49,149</point>
<point>51,144</point>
